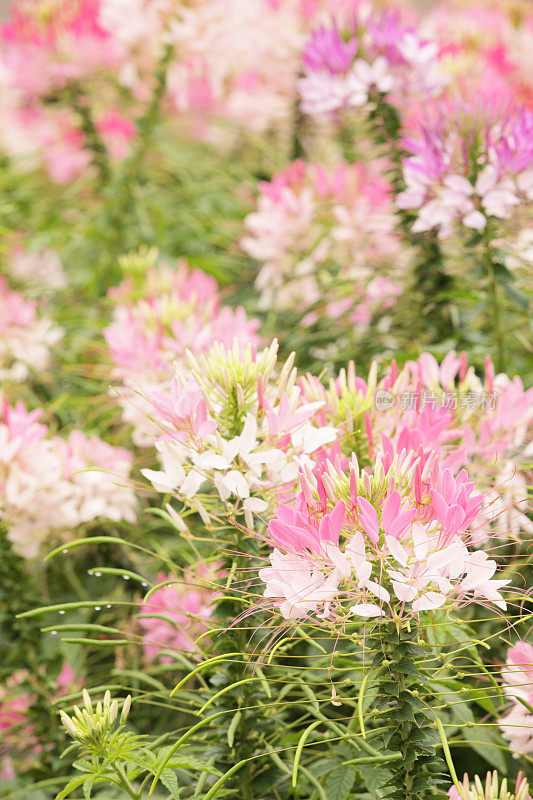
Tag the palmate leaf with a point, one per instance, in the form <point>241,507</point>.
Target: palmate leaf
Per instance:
<point>170,781</point>
<point>339,783</point>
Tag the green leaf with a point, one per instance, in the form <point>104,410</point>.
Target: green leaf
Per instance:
<point>487,744</point>
<point>323,766</point>
<point>339,783</point>
<point>169,780</point>
<point>74,783</point>
<point>87,787</point>
<point>185,762</point>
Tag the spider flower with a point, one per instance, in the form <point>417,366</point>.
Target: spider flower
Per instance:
<point>517,675</point>
<point>241,426</point>
<point>309,220</point>
<point>20,746</point>
<point>470,166</point>
<point>25,337</point>
<point>158,315</point>
<point>347,65</point>
<point>93,726</point>
<point>491,789</point>
<point>471,423</point>
<point>378,543</point>
<point>175,615</point>
<point>50,485</point>
<point>47,45</point>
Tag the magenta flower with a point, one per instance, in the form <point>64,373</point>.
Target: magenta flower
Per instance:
<point>327,50</point>
<point>175,615</point>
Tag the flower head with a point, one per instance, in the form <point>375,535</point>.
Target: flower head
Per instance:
<point>492,789</point>
<point>94,726</point>
<point>175,615</point>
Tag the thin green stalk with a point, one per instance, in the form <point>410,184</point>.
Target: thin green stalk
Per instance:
<point>494,302</point>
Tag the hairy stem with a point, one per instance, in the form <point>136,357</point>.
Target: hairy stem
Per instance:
<point>403,705</point>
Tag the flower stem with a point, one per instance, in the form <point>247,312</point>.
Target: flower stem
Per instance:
<point>494,302</point>
<point>402,693</point>
<point>125,783</point>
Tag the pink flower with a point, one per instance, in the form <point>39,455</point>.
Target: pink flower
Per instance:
<point>49,484</point>
<point>449,182</point>
<point>185,410</point>
<point>376,558</point>
<point>25,337</point>
<point>517,676</point>
<point>310,217</point>
<point>158,316</point>
<point>327,50</point>
<point>294,530</point>
<point>20,746</point>
<point>175,615</point>
<point>117,131</point>
<point>491,789</point>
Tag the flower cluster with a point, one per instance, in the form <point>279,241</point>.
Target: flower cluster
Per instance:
<point>373,54</point>
<point>20,746</point>
<point>173,616</point>
<point>49,485</point>
<point>471,424</point>
<point>485,44</point>
<point>253,81</point>
<point>159,315</point>
<point>324,238</point>
<point>378,543</point>
<point>517,676</point>
<point>93,727</point>
<point>25,337</point>
<point>492,789</point>
<point>468,167</point>
<point>35,269</point>
<point>239,424</point>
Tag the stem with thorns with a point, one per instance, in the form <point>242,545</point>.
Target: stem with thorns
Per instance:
<point>402,702</point>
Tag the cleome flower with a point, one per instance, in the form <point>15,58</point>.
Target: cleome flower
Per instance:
<point>470,423</point>
<point>373,53</point>
<point>517,676</point>
<point>160,312</point>
<point>469,166</point>
<point>378,543</point>
<point>25,338</point>
<point>309,220</point>
<point>20,745</point>
<point>491,789</point>
<point>50,485</point>
<point>94,726</point>
<point>173,616</point>
<point>241,426</point>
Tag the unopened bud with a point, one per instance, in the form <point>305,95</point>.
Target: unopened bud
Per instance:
<point>126,709</point>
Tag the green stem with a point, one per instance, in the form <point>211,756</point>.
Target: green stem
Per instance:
<point>403,690</point>
<point>93,138</point>
<point>432,284</point>
<point>492,287</point>
<point>125,783</point>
